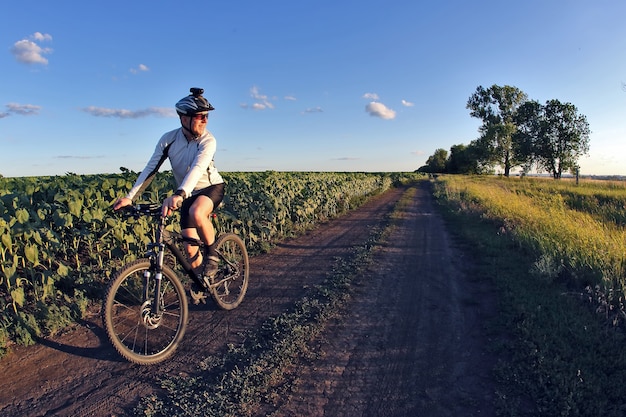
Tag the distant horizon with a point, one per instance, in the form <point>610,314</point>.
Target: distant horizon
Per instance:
<point>513,174</point>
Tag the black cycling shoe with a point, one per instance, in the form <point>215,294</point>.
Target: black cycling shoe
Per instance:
<point>210,267</point>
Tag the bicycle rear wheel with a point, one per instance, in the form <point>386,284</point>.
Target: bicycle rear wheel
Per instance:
<point>136,333</point>
<point>229,286</point>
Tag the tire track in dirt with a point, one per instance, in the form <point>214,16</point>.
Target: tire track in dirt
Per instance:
<point>78,373</point>
<point>411,342</point>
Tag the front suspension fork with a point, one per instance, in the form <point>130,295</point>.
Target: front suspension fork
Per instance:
<point>157,266</point>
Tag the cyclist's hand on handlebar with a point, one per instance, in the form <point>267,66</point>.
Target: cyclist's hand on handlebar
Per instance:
<point>171,203</point>
<point>121,203</point>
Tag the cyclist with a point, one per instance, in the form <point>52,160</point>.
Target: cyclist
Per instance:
<point>190,149</point>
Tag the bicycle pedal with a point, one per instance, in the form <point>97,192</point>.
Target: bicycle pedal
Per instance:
<point>197,297</point>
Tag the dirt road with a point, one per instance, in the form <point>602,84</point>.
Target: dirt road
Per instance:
<point>410,344</point>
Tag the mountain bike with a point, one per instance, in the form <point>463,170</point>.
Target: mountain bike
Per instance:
<point>145,307</point>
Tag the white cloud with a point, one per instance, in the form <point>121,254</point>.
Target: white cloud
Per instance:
<point>38,36</point>
<point>21,109</point>
<point>28,51</point>
<point>262,102</point>
<point>255,94</point>
<point>313,110</point>
<point>129,114</point>
<point>407,103</point>
<point>377,109</point>
<point>140,68</point>
<point>79,156</point>
<point>370,96</point>
<point>290,98</point>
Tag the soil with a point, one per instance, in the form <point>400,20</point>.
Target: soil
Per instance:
<point>411,342</point>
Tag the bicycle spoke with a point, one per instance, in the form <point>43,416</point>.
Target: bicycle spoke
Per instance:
<point>135,330</point>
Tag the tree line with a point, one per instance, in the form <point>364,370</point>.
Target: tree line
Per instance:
<point>516,132</point>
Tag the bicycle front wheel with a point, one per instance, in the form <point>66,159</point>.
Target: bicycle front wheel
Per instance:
<point>230,284</point>
<point>136,332</point>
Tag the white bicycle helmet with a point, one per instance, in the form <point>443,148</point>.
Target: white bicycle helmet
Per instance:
<point>194,103</point>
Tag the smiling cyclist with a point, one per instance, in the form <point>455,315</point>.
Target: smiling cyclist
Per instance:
<point>190,150</point>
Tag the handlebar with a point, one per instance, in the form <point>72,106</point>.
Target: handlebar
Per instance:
<point>143,209</point>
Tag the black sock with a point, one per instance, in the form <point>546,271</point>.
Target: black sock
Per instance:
<point>212,253</point>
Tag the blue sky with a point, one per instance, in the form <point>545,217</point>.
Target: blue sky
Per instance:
<point>89,87</point>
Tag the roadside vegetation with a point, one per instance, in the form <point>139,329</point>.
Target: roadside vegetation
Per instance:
<point>60,240</point>
<point>556,252</point>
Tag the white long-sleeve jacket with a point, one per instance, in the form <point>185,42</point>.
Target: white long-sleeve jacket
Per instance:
<point>191,161</point>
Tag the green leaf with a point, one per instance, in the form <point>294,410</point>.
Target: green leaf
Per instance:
<point>32,254</point>
<point>75,207</point>
<point>62,219</point>
<point>22,216</point>
<point>7,241</point>
<point>63,270</point>
<point>139,229</point>
<point>97,214</point>
<point>18,296</point>
<point>42,214</point>
<point>37,237</point>
<point>10,274</point>
<point>48,286</point>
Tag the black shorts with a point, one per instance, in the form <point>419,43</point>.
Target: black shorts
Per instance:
<point>214,192</point>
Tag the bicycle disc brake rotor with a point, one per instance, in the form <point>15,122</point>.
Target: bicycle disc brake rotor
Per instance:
<point>151,321</point>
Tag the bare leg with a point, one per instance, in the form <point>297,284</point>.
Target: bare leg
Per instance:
<point>202,228</point>
<point>193,251</point>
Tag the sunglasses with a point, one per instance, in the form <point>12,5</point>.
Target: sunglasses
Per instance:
<point>201,116</point>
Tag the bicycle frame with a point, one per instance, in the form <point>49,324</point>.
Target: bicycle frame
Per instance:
<point>168,239</point>
<point>156,253</point>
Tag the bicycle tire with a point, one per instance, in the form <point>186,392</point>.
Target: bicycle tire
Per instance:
<point>229,286</point>
<point>135,333</point>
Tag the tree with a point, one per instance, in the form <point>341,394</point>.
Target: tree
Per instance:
<point>527,119</point>
<point>563,138</point>
<point>436,163</point>
<point>464,160</point>
<point>497,107</point>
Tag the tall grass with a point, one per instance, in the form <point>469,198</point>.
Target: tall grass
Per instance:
<point>573,230</point>
<point>555,355</point>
